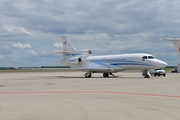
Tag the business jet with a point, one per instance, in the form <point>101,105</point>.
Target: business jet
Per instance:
<point>107,64</point>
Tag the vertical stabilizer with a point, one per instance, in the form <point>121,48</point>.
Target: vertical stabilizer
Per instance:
<point>67,46</point>
<point>177,46</point>
<point>176,42</point>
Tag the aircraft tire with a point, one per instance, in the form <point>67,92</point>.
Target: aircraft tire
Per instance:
<point>105,74</point>
<point>146,76</point>
<point>87,76</point>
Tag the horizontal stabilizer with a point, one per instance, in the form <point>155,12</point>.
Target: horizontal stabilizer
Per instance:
<point>60,52</point>
<point>176,43</point>
<point>171,39</point>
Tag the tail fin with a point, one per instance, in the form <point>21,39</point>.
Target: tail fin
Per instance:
<point>176,42</point>
<point>67,46</point>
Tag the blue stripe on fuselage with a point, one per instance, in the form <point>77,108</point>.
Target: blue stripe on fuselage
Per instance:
<point>119,63</point>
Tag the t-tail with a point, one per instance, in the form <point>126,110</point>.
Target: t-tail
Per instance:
<point>176,43</point>
<point>71,56</point>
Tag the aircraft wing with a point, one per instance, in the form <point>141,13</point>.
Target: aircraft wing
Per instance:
<point>16,67</point>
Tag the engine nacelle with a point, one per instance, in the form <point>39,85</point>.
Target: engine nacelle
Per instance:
<point>89,52</point>
<point>85,53</point>
<point>75,60</point>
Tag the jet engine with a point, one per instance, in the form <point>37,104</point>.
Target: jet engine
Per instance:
<point>89,52</point>
<point>75,60</point>
<point>85,53</point>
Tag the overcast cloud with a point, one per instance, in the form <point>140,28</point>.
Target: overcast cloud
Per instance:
<point>29,28</point>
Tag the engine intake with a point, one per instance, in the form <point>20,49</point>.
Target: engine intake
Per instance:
<point>79,60</point>
<point>90,52</point>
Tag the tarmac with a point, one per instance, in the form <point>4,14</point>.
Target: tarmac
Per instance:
<point>70,96</point>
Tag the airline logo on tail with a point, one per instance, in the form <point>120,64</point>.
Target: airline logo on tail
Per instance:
<point>65,43</point>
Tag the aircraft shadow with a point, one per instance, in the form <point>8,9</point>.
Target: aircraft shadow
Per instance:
<point>119,76</point>
<point>84,77</point>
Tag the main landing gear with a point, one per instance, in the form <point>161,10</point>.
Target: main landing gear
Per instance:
<point>89,74</point>
<point>107,74</point>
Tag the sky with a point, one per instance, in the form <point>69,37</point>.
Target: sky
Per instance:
<point>30,28</point>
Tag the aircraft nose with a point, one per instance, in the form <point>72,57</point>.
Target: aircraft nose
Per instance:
<point>163,64</point>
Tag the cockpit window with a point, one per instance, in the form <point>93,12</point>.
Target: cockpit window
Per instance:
<point>144,57</point>
<point>150,57</point>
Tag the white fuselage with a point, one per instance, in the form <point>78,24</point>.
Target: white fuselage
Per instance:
<point>116,63</point>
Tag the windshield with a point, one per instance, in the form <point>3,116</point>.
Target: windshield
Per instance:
<point>150,57</point>
<point>144,57</point>
<point>147,57</point>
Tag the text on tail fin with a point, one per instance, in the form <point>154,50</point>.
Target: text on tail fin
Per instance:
<point>67,46</point>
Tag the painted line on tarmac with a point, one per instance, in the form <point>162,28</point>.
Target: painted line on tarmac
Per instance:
<point>92,91</point>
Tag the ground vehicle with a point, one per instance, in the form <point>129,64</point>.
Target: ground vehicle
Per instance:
<point>159,72</point>
<point>174,70</point>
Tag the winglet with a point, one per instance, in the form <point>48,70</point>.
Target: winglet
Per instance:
<point>14,65</point>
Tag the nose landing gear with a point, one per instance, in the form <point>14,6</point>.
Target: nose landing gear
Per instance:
<point>146,74</point>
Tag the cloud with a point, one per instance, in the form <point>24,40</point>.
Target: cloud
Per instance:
<point>32,52</point>
<point>21,46</point>
<point>1,56</point>
<point>106,27</point>
<point>16,30</point>
<point>57,45</point>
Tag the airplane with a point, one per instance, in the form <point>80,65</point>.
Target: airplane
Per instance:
<point>176,43</point>
<point>107,64</point>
